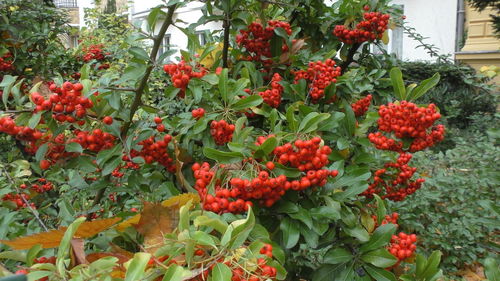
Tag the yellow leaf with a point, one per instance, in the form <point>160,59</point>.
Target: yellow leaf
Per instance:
<point>156,221</point>
<point>174,202</point>
<point>385,37</point>
<point>52,238</point>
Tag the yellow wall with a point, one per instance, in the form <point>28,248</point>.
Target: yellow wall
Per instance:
<point>481,46</point>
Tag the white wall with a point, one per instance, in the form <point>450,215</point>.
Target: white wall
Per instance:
<point>435,19</point>
<point>82,4</point>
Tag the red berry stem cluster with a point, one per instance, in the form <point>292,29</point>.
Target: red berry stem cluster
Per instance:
<point>392,219</point>
<point>155,150</point>
<point>67,103</point>
<point>360,107</point>
<point>42,186</point>
<point>6,62</point>
<point>95,141</point>
<point>320,75</point>
<point>394,181</point>
<point>371,28</point>
<point>198,113</point>
<point>181,73</point>
<point>234,191</point>
<point>263,271</point>
<point>257,40</point>
<point>221,131</point>
<point>407,121</point>
<point>17,199</point>
<point>94,52</point>
<point>402,246</point>
<point>273,96</point>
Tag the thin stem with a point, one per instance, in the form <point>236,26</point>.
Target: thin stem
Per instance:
<point>35,213</point>
<point>120,89</point>
<point>225,51</point>
<point>139,91</point>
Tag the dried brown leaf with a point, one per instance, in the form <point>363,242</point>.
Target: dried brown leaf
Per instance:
<point>52,238</point>
<point>156,221</point>
<point>77,252</point>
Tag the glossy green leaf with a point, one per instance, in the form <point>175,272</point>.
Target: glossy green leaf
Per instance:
<point>64,247</point>
<point>222,156</point>
<point>337,255</point>
<point>137,267</point>
<point>380,274</point>
<point>290,233</point>
<point>380,258</point>
<point>221,272</point>
<point>380,237</point>
<point>250,101</point>
<point>398,83</point>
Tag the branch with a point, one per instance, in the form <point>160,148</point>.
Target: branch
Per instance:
<point>350,57</point>
<point>139,91</point>
<point>35,213</point>
<point>120,89</point>
<point>225,50</point>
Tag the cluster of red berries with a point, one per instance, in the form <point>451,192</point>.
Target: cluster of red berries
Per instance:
<point>95,141</point>
<point>155,151</point>
<point>6,62</point>
<point>407,121</point>
<point>392,219</point>
<point>273,96</point>
<point>159,124</point>
<point>67,103</point>
<point>94,52</point>
<point>198,113</point>
<point>42,186</point>
<point>128,165</point>
<point>320,74</point>
<point>303,154</point>
<point>8,126</point>
<point>263,271</point>
<point>360,107</point>
<point>221,131</point>
<point>395,184</point>
<point>371,28</point>
<point>181,73</point>
<point>51,260</point>
<point>257,40</point>
<point>403,245</point>
<point>18,199</point>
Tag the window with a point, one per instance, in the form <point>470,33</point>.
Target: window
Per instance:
<point>202,37</point>
<point>66,3</point>
<point>165,45</point>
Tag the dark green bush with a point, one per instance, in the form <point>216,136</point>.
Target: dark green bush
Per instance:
<point>456,95</point>
<point>452,212</point>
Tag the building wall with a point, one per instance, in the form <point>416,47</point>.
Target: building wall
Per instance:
<point>435,19</point>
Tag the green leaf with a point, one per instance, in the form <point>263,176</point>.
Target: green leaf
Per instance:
<point>139,53</point>
<point>327,272</point>
<point>491,269</point>
<point>84,72</point>
<point>64,247</point>
<point>276,45</point>
<point>250,101</point>
<point>303,216</point>
<point>290,233</point>
<point>424,87</point>
<point>381,211</point>
<point>311,124</point>
<point>398,83</point>
<point>73,147</point>
<point>337,255</point>
<point>16,256</point>
<point>137,266</point>
<point>359,233</point>
<point>34,120</point>
<point>290,118</point>
<point>176,273</point>
<point>380,274</point>
<point>432,265</point>
<point>242,229</point>
<point>203,238</point>
<point>380,258</point>
<point>184,216</point>
<point>40,153</point>
<point>223,85</point>
<point>221,272</point>
<point>32,254</point>
<point>153,17</point>
<point>211,79</point>
<point>269,145</point>
<point>222,156</point>
<point>380,237</point>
